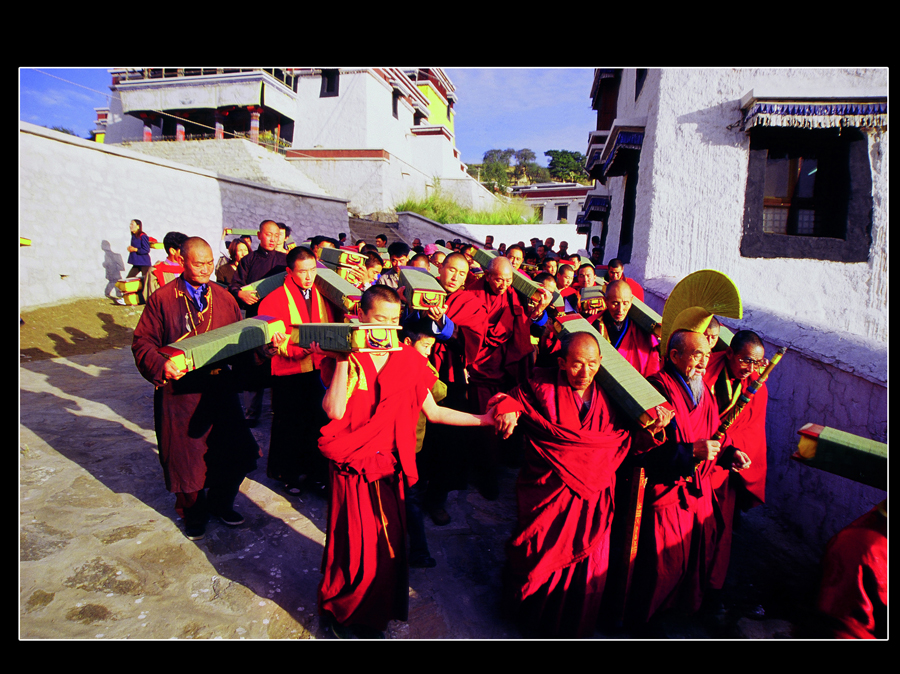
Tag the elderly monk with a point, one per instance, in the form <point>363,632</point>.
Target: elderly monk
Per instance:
<point>374,400</point>
<point>497,350</point>
<point>559,551</point>
<point>637,346</point>
<point>728,374</point>
<point>297,390</point>
<point>678,531</point>
<point>204,442</point>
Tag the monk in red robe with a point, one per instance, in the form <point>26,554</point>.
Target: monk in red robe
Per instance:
<point>204,441</point>
<point>678,528</point>
<point>637,346</point>
<point>498,350</point>
<point>728,374</point>
<point>615,271</point>
<point>854,587</point>
<point>297,389</point>
<point>559,552</point>
<point>374,400</point>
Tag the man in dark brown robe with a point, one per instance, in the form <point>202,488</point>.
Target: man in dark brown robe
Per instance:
<point>204,441</point>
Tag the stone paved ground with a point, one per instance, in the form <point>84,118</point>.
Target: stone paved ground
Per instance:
<point>103,556</point>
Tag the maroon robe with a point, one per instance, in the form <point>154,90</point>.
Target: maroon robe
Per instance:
<point>678,528</point>
<point>500,343</point>
<point>748,434</point>
<point>854,586</point>
<point>559,552</point>
<point>372,456</point>
<point>200,426</point>
<point>637,346</point>
<point>450,357</point>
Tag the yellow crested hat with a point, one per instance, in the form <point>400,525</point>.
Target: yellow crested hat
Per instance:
<point>695,300</point>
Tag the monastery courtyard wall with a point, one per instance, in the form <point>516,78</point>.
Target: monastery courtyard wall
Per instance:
<point>76,198</point>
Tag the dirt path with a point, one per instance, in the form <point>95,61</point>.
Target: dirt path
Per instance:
<point>75,328</point>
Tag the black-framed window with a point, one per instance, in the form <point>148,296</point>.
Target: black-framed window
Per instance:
<point>809,194</point>
<point>562,213</point>
<point>395,104</point>
<point>331,79</point>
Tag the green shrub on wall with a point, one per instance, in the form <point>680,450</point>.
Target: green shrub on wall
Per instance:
<point>442,208</point>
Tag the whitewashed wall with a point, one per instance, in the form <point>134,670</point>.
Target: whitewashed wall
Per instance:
<point>77,197</point>
<point>832,315</point>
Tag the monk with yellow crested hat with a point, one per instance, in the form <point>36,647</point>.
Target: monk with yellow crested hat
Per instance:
<point>676,551</point>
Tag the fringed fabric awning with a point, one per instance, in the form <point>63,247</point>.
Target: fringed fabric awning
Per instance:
<point>625,140</point>
<point>595,207</point>
<point>813,114</point>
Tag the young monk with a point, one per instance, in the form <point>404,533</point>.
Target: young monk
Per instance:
<point>374,400</point>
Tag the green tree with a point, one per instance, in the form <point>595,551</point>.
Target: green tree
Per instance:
<point>523,158</point>
<point>495,172</point>
<point>537,173</point>
<point>567,166</point>
<point>499,156</point>
<point>63,129</point>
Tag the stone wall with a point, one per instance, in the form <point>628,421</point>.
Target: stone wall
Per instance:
<point>77,197</point>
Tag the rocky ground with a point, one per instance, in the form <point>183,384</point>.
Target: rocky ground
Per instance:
<point>103,556</point>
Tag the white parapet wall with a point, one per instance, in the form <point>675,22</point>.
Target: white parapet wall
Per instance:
<point>77,197</point>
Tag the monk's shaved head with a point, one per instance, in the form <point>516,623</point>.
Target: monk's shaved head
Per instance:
<point>499,275</point>
<point>193,243</point>
<point>499,265</point>
<point>619,289</point>
<point>579,340</point>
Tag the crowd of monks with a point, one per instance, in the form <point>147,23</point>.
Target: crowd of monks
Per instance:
<point>508,388</point>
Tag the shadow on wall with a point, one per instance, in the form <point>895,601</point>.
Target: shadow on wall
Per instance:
<point>114,266</point>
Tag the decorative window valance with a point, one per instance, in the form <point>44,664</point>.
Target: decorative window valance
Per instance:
<point>596,206</point>
<point>625,140</point>
<point>809,113</point>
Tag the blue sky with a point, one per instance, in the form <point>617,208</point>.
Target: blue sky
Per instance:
<point>537,108</point>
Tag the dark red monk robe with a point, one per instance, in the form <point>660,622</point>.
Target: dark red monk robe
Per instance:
<point>559,551</point>
<point>501,343</point>
<point>748,434</point>
<point>372,455</point>
<point>636,346</point>
<point>854,586</point>
<point>468,315</point>
<point>678,527</point>
<point>200,428</point>
<point>297,390</point>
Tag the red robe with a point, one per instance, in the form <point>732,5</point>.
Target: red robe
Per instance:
<point>372,455</point>
<point>503,342</point>
<point>638,347</point>
<point>200,426</point>
<point>678,528</point>
<point>853,591</point>
<point>450,358</point>
<point>559,552</point>
<point>276,304</point>
<point>747,433</point>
